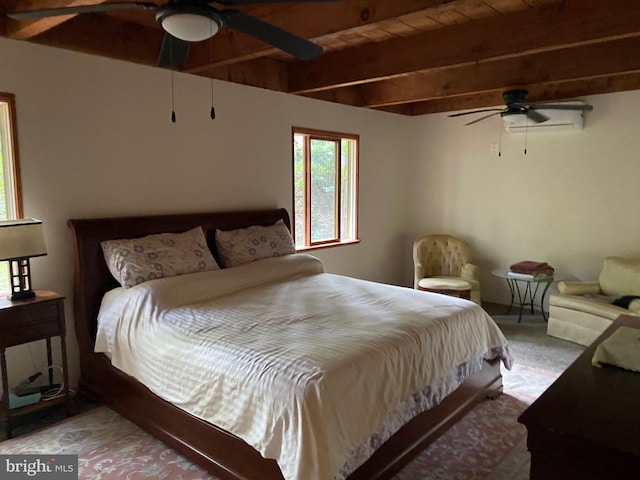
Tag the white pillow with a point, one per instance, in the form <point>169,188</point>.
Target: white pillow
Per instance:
<point>245,245</point>
<point>136,260</point>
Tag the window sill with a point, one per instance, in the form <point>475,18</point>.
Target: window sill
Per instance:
<point>327,245</point>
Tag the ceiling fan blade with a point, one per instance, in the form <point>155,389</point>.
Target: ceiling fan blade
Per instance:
<point>482,118</point>
<point>269,33</point>
<point>173,52</point>
<point>559,106</point>
<point>103,7</point>
<point>536,117</point>
<point>231,3</point>
<point>477,111</point>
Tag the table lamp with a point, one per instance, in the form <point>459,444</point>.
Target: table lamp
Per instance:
<point>19,241</point>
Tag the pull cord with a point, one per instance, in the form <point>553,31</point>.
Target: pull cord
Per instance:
<point>213,109</point>
<point>173,110</point>
<point>500,139</point>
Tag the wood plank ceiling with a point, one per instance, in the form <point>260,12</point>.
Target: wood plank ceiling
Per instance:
<point>405,56</point>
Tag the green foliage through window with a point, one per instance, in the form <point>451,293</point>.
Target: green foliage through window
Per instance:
<point>325,176</point>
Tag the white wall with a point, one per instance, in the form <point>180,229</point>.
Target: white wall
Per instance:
<point>96,140</point>
<point>571,200</point>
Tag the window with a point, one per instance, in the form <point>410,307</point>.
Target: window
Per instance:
<point>325,188</point>
<point>10,201</point>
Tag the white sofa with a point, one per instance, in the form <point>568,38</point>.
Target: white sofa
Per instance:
<point>583,310</point>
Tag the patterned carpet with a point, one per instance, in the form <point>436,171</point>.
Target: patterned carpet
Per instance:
<point>489,443</point>
<point>486,444</point>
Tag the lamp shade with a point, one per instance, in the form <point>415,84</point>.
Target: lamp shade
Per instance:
<point>22,238</point>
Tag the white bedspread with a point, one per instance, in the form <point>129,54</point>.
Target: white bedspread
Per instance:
<point>302,365</point>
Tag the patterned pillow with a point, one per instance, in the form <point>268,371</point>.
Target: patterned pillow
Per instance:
<point>245,245</point>
<point>136,260</point>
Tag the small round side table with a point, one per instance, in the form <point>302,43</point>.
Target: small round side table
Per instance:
<point>526,288</point>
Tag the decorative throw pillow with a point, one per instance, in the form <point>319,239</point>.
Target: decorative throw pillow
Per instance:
<point>245,245</point>
<point>136,260</point>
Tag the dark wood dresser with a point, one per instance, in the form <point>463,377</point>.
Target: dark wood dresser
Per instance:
<point>587,424</point>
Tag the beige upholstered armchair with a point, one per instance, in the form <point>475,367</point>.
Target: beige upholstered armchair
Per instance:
<point>581,311</point>
<point>445,257</point>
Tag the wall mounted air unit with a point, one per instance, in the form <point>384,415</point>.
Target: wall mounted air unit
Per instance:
<point>558,120</point>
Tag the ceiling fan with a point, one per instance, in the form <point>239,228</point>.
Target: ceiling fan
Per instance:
<point>186,21</point>
<point>516,104</point>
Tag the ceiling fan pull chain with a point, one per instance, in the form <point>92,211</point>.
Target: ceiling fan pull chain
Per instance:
<point>526,135</point>
<point>213,109</point>
<point>500,139</point>
<point>213,113</point>
<point>173,110</point>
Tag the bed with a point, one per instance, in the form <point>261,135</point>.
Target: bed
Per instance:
<point>205,443</point>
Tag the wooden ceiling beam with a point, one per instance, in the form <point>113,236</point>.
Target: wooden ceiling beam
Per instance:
<point>99,35</point>
<point>449,104</point>
<point>263,73</point>
<point>27,29</point>
<point>560,65</point>
<point>551,91</point>
<point>575,22</point>
<point>305,20</point>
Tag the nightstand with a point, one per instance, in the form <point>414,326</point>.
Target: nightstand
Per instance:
<point>27,321</point>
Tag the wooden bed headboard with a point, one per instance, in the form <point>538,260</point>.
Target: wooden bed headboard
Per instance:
<point>92,278</point>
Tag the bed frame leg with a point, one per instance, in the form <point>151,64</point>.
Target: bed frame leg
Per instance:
<point>494,394</point>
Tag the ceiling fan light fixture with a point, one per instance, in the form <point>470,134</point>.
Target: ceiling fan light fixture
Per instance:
<point>514,117</point>
<point>190,27</point>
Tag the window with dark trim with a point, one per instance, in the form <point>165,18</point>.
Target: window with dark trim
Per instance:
<point>325,188</point>
<point>10,196</point>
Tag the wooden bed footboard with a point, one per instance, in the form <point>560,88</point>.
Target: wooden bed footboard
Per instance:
<point>220,452</point>
<point>230,458</point>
